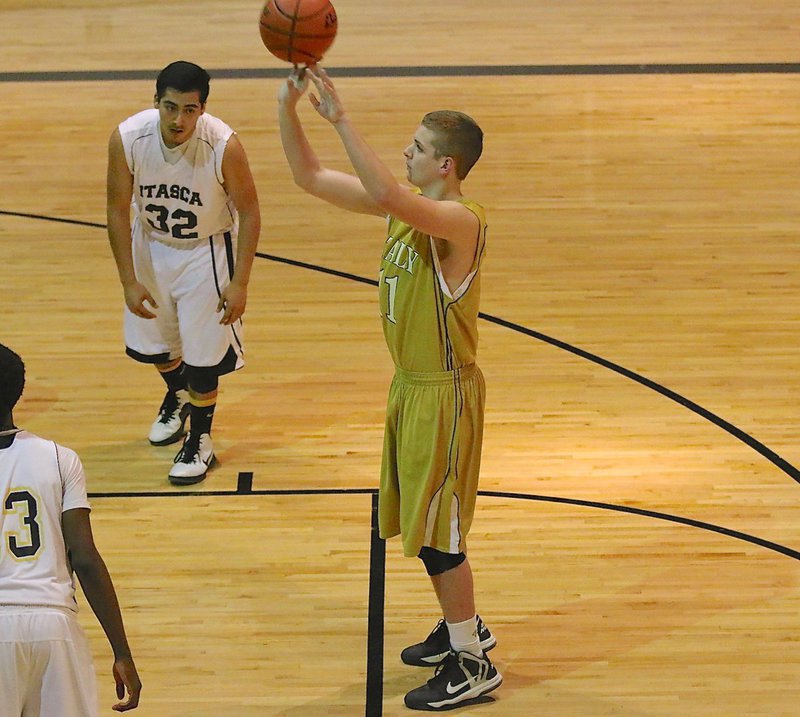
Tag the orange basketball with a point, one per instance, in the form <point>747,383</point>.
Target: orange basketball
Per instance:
<point>298,31</point>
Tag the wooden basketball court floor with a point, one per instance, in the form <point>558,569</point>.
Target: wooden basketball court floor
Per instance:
<point>636,546</point>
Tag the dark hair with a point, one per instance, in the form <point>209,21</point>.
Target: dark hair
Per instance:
<point>184,77</point>
<point>457,136</point>
<point>12,380</point>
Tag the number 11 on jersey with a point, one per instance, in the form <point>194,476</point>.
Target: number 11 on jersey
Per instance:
<point>391,295</point>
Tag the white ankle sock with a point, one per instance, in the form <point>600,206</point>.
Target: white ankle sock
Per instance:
<point>464,636</point>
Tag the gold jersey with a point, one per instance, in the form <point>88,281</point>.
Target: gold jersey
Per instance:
<point>428,327</point>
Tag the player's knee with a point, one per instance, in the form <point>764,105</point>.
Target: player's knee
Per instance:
<point>202,379</point>
<point>436,562</point>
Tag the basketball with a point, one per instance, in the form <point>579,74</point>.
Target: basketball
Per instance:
<point>298,31</point>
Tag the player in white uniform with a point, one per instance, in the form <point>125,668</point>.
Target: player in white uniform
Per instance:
<point>185,261</point>
<point>46,667</point>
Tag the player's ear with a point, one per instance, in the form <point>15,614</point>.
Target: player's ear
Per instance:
<point>155,100</point>
<point>447,165</point>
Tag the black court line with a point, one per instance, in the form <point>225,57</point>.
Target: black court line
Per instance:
<point>746,438</point>
<point>755,444</point>
<point>738,535</point>
<point>696,68</point>
<point>375,620</point>
<point>315,267</point>
<point>80,223</point>
<point>228,493</point>
<point>244,484</point>
<point>734,431</point>
<point>377,555</point>
<point>702,525</point>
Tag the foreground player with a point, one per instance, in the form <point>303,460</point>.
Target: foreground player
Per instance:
<point>429,292</point>
<point>185,294</point>
<point>45,664</point>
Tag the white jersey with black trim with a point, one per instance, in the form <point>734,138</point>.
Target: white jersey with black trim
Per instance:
<point>178,193</point>
<point>39,480</point>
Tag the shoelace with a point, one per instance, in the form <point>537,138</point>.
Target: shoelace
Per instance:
<point>189,451</point>
<point>168,407</point>
<point>435,629</point>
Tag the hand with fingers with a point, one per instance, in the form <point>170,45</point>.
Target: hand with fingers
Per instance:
<point>232,302</point>
<point>136,294</point>
<point>328,104</point>
<point>294,87</point>
<point>127,680</point>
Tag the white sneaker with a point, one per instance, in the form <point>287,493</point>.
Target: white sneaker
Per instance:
<point>193,460</point>
<point>169,426</point>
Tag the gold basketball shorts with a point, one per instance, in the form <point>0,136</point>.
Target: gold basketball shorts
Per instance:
<point>431,458</point>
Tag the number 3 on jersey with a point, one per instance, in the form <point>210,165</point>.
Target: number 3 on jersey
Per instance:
<point>26,543</point>
<point>391,294</point>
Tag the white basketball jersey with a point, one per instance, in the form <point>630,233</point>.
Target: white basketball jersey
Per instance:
<point>178,192</point>
<point>39,480</point>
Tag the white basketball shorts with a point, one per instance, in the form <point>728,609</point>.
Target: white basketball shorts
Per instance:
<point>186,282</point>
<point>46,666</point>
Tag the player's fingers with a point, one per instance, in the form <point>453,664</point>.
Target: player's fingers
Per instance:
<point>150,299</point>
<point>316,80</point>
<point>133,700</point>
<point>296,78</point>
<point>326,79</point>
<point>225,318</point>
<point>131,703</point>
<point>233,313</point>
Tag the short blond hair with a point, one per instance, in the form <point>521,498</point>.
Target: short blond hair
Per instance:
<point>457,136</point>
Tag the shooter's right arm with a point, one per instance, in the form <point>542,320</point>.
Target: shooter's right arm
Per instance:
<point>338,188</point>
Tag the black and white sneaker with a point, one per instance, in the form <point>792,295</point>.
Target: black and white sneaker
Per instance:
<point>436,646</point>
<point>459,680</point>
<point>169,425</point>
<point>193,460</point>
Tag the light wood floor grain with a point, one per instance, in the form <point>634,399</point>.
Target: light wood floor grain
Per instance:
<point>648,219</point>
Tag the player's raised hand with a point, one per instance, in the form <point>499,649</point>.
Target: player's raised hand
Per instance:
<point>294,87</point>
<point>232,302</point>
<point>127,680</point>
<point>328,104</point>
<point>135,296</point>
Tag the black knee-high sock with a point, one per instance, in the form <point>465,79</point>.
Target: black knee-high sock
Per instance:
<point>175,378</point>
<point>201,417</point>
